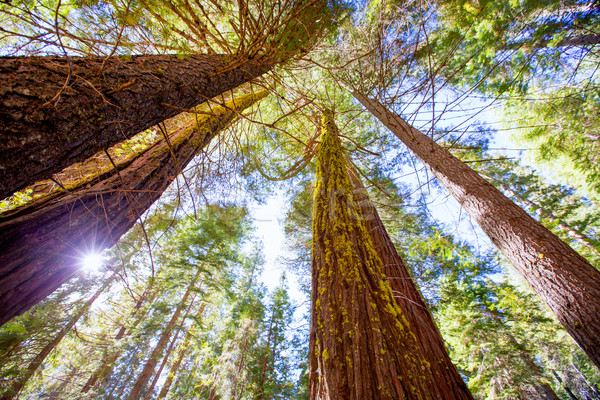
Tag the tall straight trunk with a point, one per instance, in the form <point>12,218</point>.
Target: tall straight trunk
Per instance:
<point>409,298</point>
<point>40,243</point>
<point>567,283</point>
<point>361,343</point>
<point>41,356</point>
<point>56,111</point>
<point>183,347</point>
<point>106,365</point>
<point>165,357</point>
<point>158,350</point>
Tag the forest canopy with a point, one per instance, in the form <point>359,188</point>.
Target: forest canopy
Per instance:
<point>434,166</point>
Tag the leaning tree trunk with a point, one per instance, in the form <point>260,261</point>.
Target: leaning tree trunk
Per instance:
<point>41,356</point>
<point>56,111</point>
<point>165,336</point>
<point>113,352</point>
<point>361,343</point>
<point>41,243</point>
<point>567,283</point>
<point>409,298</point>
<point>183,348</point>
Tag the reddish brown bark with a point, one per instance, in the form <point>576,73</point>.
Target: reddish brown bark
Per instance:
<point>361,343</point>
<point>41,244</point>
<point>410,300</point>
<point>567,283</point>
<point>52,116</point>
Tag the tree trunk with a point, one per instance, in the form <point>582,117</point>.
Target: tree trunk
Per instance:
<point>167,354</point>
<point>180,356</point>
<point>567,283</point>
<point>112,354</point>
<point>42,243</point>
<point>148,370</point>
<point>361,343</point>
<point>52,116</point>
<point>41,356</point>
<point>410,300</point>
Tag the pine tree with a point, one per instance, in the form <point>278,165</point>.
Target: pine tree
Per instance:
<point>566,282</point>
<point>361,342</point>
<point>93,215</point>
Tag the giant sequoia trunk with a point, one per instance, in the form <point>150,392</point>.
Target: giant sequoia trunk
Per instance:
<point>361,342</point>
<point>41,243</point>
<point>567,283</point>
<point>55,112</point>
<point>41,356</point>
<point>409,298</point>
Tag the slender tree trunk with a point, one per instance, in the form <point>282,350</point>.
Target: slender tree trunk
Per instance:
<point>180,356</point>
<point>410,300</point>
<point>167,354</point>
<point>361,343</point>
<point>567,283</point>
<point>56,111</point>
<point>148,370</point>
<point>565,386</point>
<point>263,373</point>
<point>112,354</point>
<point>42,243</point>
<point>41,356</point>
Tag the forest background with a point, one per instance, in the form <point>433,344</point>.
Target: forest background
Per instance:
<point>177,308</point>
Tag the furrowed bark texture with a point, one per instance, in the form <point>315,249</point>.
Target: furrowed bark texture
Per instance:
<point>409,298</point>
<point>41,356</point>
<point>361,344</point>
<point>567,283</point>
<point>52,116</point>
<point>41,244</point>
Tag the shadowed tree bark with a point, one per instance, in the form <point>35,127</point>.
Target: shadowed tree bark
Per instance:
<point>56,111</point>
<point>567,283</point>
<point>361,343</point>
<point>41,244</point>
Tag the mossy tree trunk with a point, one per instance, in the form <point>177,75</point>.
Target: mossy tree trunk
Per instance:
<point>447,379</point>
<point>41,244</point>
<point>56,111</point>
<point>361,343</point>
<point>566,281</point>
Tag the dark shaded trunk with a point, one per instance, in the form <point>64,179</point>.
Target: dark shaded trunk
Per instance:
<point>361,343</point>
<point>41,356</point>
<point>52,117</point>
<point>165,337</point>
<point>567,283</point>
<point>584,40</point>
<point>177,363</point>
<point>410,300</point>
<point>42,243</point>
<point>565,387</point>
